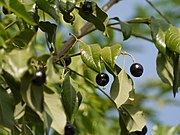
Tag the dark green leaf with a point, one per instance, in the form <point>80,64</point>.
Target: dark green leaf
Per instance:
<point>19,9</point>
<point>176,82</point>
<point>22,39</point>
<point>26,130</point>
<point>54,107</point>
<point>49,29</point>
<point>158,29</point>
<point>132,117</point>
<point>7,109</point>
<point>31,94</point>
<point>45,6</point>
<point>173,39</point>
<point>90,54</point>
<point>98,18</point>
<point>121,88</point>
<point>14,85</point>
<point>69,96</point>
<point>125,27</point>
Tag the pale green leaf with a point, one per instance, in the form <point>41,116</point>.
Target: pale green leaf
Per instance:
<point>121,88</point>
<point>90,54</point>
<point>132,117</point>
<point>54,107</point>
<point>16,62</point>
<point>166,130</point>
<point>110,54</point>
<point>165,69</point>
<point>173,39</point>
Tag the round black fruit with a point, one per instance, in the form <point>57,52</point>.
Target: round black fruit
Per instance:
<point>70,129</point>
<point>40,78</point>
<point>102,79</point>
<point>66,61</point>
<point>69,18</point>
<point>87,7</point>
<point>143,132</point>
<point>5,11</point>
<point>136,69</point>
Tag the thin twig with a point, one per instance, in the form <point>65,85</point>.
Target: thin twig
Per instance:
<point>154,7</point>
<point>133,34</point>
<point>94,86</point>
<point>11,24</point>
<point>83,31</point>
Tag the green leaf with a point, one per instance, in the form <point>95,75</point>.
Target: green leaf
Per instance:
<point>3,131</point>
<point>54,107</point>
<point>109,55</point>
<point>158,29</point>
<point>98,18</point>
<point>16,62</point>
<point>173,39</point>
<point>90,54</point>
<point>7,109</point>
<point>133,119</point>
<point>50,29</point>
<point>69,96</point>
<point>26,130</point>
<point>53,72</point>
<point>14,85</point>
<point>19,9</point>
<point>176,81</point>
<point>19,110</point>
<point>45,6</point>
<point>165,69</point>
<point>32,95</point>
<point>125,27</point>
<point>121,88</point>
<point>22,38</point>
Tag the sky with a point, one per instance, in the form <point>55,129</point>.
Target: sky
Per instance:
<point>147,56</point>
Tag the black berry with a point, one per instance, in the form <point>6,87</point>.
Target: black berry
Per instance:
<point>136,69</point>
<point>70,129</point>
<point>87,7</point>
<point>40,78</point>
<point>66,61</point>
<point>102,79</point>
<point>5,11</point>
<point>69,18</point>
<point>143,132</point>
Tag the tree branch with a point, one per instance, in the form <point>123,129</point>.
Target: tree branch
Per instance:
<point>82,32</point>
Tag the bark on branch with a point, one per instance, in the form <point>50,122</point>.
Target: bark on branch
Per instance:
<point>82,32</point>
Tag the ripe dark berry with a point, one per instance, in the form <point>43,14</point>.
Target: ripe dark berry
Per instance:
<point>102,79</point>
<point>40,78</point>
<point>5,11</point>
<point>143,132</point>
<point>66,61</point>
<point>136,69</point>
<point>69,18</point>
<point>70,129</point>
<point>87,7</point>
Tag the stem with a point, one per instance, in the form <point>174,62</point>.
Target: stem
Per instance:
<point>82,32</point>
<point>154,7</point>
<point>133,34</point>
<point>126,53</point>
<point>11,24</point>
<point>94,86</point>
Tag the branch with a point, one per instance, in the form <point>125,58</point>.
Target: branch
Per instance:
<point>83,31</point>
<point>133,34</point>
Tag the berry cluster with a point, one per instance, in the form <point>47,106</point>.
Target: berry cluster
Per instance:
<point>39,78</point>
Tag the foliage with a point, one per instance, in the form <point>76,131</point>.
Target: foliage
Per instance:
<point>32,39</point>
